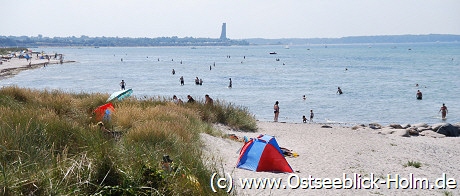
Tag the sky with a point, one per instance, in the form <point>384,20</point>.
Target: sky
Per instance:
<point>269,19</point>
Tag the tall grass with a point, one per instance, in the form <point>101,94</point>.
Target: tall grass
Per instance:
<point>50,144</point>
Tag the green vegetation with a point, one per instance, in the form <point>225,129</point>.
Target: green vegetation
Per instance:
<point>85,41</point>
<point>5,51</point>
<point>415,164</point>
<point>50,144</point>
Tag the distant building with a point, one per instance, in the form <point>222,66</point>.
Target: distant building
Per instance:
<point>223,34</point>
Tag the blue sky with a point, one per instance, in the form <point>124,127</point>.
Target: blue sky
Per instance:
<point>244,18</point>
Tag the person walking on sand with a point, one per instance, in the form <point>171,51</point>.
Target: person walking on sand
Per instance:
<point>230,83</point>
<point>443,111</point>
<point>419,95</point>
<point>311,115</point>
<point>123,84</point>
<point>276,109</point>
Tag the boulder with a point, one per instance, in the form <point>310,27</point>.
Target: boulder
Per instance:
<point>387,131</point>
<point>433,134</point>
<point>420,125</point>
<point>375,126</point>
<point>437,126</point>
<point>413,131</point>
<point>405,126</point>
<point>395,126</point>
<point>402,132</point>
<point>449,130</point>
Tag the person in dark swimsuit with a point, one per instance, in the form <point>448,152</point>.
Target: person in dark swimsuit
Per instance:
<point>419,95</point>
<point>122,84</point>
<point>276,109</point>
<point>311,115</point>
<point>182,80</point>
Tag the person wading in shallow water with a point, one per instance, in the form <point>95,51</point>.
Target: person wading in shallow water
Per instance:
<point>311,115</point>
<point>419,95</point>
<point>276,109</point>
<point>443,111</point>
<point>122,84</point>
<point>339,91</point>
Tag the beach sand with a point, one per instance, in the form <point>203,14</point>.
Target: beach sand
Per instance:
<point>14,65</point>
<point>333,152</point>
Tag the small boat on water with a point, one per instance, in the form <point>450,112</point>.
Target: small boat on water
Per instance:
<point>272,52</point>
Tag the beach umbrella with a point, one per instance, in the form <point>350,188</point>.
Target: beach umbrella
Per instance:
<point>104,111</point>
<point>120,95</point>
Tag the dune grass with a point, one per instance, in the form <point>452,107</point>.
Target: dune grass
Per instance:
<point>50,144</point>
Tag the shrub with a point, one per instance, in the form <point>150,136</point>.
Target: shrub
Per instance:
<point>51,144</point>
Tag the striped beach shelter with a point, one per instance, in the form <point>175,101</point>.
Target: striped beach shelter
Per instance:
<point>263,154</point>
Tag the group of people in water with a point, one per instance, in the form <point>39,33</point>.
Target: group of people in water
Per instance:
<point>276,108</point>
<point>276,111</point>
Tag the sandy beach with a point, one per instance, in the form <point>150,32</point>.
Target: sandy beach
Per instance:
<point>337,151</point>
<point>13,66</point>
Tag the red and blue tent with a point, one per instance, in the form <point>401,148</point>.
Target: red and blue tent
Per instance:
<point>263,154</point>
<point>104,111</point>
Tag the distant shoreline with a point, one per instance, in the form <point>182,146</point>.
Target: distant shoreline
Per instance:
<point>15,65</point>
<point>85,41</point>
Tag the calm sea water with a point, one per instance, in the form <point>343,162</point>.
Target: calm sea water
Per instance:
<point>378,81</point>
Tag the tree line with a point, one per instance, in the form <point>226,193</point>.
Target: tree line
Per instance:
<point>85,41</point>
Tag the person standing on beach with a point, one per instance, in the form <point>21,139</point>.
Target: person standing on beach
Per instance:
<point>419,95</point>
<point>122,84</point>
<point>443,111</point>
<point>311,115</point>
<point>230,84</point>
<point>276,109</point>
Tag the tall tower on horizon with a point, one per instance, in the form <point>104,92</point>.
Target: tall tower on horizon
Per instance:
<point>223,34</point>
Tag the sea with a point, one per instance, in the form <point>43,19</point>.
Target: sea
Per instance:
<point>379,81</point>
